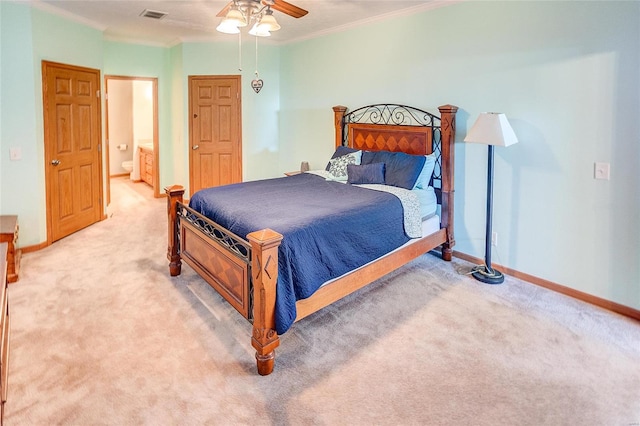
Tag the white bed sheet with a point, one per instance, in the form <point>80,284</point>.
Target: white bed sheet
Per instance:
<point>428,202</point>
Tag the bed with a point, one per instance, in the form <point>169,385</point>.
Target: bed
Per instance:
<point>245,260</point>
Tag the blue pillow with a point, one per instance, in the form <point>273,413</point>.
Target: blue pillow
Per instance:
<point>401,170</point>
<point>367,173</point>
<point>424,180</point>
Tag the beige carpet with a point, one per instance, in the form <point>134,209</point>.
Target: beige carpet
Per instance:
<point>102,335</point>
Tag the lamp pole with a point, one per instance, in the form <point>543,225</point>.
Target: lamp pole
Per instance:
<point>491,128</point>
<point>488,237</point>
<point>487,274</point>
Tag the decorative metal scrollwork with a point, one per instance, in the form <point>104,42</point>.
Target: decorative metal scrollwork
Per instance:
<point>227,239</point>
<point>224,237</point>
<point>436,179</point>
<point>399,115</point>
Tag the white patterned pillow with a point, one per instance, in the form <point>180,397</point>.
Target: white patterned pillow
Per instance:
<point>338,165</point>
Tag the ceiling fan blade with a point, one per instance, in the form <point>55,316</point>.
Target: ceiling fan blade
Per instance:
<point>224,10</point>
<point>288,8</point>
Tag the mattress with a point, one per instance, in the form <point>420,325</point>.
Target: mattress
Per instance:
<point>429,226</point>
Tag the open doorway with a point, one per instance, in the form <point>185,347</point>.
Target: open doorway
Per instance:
<point>132,131</point>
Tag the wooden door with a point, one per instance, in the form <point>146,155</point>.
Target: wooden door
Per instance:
<point>215,154</point>
<point>72,135</point>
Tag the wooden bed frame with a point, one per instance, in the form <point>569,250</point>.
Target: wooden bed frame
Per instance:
<point>245,272</point>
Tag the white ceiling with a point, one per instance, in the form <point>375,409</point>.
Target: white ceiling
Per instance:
<point>195,20</point>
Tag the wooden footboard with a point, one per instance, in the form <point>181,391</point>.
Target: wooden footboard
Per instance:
<point>243,272</point>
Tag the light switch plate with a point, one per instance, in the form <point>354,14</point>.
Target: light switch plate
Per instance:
<point>15,153</point>
<point>602,171</point>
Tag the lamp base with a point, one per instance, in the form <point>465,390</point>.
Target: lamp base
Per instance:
<point>487,275</point>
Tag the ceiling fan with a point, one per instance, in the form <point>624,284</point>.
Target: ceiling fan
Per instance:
<point>257,13</point>
<point>279,5</point>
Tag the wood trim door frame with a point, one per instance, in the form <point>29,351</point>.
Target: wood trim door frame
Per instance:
<point>156,154</point>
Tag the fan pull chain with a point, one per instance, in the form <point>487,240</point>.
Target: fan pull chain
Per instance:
<point>257,83</point>
<point>256,57</point>
<point>240,51</point>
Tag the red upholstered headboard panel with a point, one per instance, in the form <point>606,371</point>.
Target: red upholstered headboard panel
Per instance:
<point>374,137</point>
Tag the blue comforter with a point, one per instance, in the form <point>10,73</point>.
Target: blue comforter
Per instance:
<point>329,228</point>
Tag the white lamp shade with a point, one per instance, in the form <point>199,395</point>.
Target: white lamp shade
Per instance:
<point>492,128</point>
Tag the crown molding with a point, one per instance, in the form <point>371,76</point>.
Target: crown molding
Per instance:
<point>132,40</point>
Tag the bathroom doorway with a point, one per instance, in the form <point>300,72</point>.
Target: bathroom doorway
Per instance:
<point>132,131</point>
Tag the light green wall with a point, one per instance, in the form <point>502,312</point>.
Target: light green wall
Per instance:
<point>567,76</point>
<point>565,73</point>
<point>29,37</point>
<point>20,181</point>
<point>177,118</point>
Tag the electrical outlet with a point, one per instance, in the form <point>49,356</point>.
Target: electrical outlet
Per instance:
<point>494,239</point>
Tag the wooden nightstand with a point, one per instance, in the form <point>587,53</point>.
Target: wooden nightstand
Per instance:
<point>9,235</point>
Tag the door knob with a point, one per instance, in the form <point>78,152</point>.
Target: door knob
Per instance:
<point>55,162</point>
<point>195,147</point>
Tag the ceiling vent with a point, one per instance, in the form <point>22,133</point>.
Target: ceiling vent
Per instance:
<point>153,14</point>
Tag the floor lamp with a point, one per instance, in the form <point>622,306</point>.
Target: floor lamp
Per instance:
<point>493,129</point>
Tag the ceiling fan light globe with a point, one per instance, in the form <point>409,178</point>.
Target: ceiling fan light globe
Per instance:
<point>237,17</point>
<point>270,22</point>
<point>228,27</point>
<point>259,31</point>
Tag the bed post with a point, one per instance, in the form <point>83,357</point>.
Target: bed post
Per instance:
<point>264,273</point>
<point>174,196</point>
<point>448,136</point>
<point>338,113</point>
